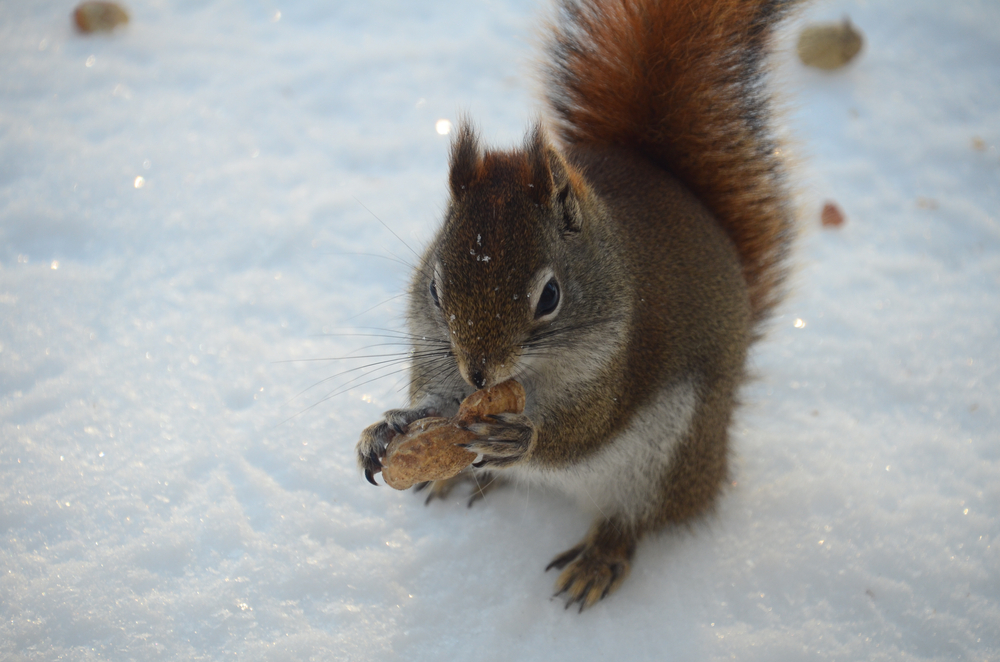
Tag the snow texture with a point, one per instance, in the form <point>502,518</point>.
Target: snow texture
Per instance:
<point>187,222</point>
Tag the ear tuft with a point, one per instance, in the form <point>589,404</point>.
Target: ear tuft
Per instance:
<point>536,150</point>
<point>466,159</point>
<point>568,186</point>
<point>568,208</point>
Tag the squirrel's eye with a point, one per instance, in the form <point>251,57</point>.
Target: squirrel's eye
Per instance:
<point>549,299</point>
<point>434,295</point>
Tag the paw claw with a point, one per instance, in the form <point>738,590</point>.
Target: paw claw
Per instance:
<point>562,560</point>
<point>376,437</point>
<point>371,465</point>
<point>596,567</point>
<point>501,440</point>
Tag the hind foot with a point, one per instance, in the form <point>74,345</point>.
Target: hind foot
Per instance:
<point>597,566</point>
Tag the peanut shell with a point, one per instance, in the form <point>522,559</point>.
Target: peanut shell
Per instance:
<point>507,397</point>
<point>428,450</point>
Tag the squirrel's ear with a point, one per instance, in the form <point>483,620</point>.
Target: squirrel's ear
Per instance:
<point>567,189</point>
<point>554,183</point>
<point>466,159</point>
<point>537,154</point>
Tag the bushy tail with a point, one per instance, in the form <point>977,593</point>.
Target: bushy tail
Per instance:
<point>681,82</point>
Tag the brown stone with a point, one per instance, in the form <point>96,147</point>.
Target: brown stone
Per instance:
<point>99,16</point>
<point>831,217</point>
<point>829,45</point>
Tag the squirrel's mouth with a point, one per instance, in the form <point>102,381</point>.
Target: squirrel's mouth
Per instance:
<point>483,371</point>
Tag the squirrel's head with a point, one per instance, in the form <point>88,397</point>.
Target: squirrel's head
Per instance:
<point>499,276</point>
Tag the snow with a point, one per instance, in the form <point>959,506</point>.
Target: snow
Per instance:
<point>185,228</point>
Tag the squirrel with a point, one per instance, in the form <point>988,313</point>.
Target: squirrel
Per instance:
<point>619,264</point>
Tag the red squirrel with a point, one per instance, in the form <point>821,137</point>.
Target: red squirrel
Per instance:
<point>618,264</point>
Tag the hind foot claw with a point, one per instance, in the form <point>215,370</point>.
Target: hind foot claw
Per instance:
<point>597,566</point>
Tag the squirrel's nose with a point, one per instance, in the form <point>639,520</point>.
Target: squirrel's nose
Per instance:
<point>478,379</point>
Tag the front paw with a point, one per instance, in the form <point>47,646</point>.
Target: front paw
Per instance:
<point>501,439</point>
<point>375,438</point>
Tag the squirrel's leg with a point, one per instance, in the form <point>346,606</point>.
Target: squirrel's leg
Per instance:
<point>688,488</point>
<point>374,438</point>
<point>598,565</point>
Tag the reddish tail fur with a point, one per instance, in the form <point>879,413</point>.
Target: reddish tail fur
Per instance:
<point>680,81</point>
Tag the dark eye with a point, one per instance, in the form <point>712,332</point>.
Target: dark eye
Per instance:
<point>434,295</point>
<point>549,299</point>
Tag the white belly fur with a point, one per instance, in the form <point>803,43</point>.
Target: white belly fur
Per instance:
<point>624,478</point>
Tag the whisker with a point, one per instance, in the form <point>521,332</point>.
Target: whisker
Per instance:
<point>381,364</point>
<point>387,228</point>
<point>348,357</point>
<point>375,306</point>
<point>345,388</point>
<point>401,357</point>
<point>479,487</point>
<point>332,394</point>
<point>439,370</point>
<point>391,258</point>
<point>388,333</point>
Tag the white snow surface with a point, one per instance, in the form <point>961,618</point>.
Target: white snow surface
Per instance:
<point>164,495</point>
